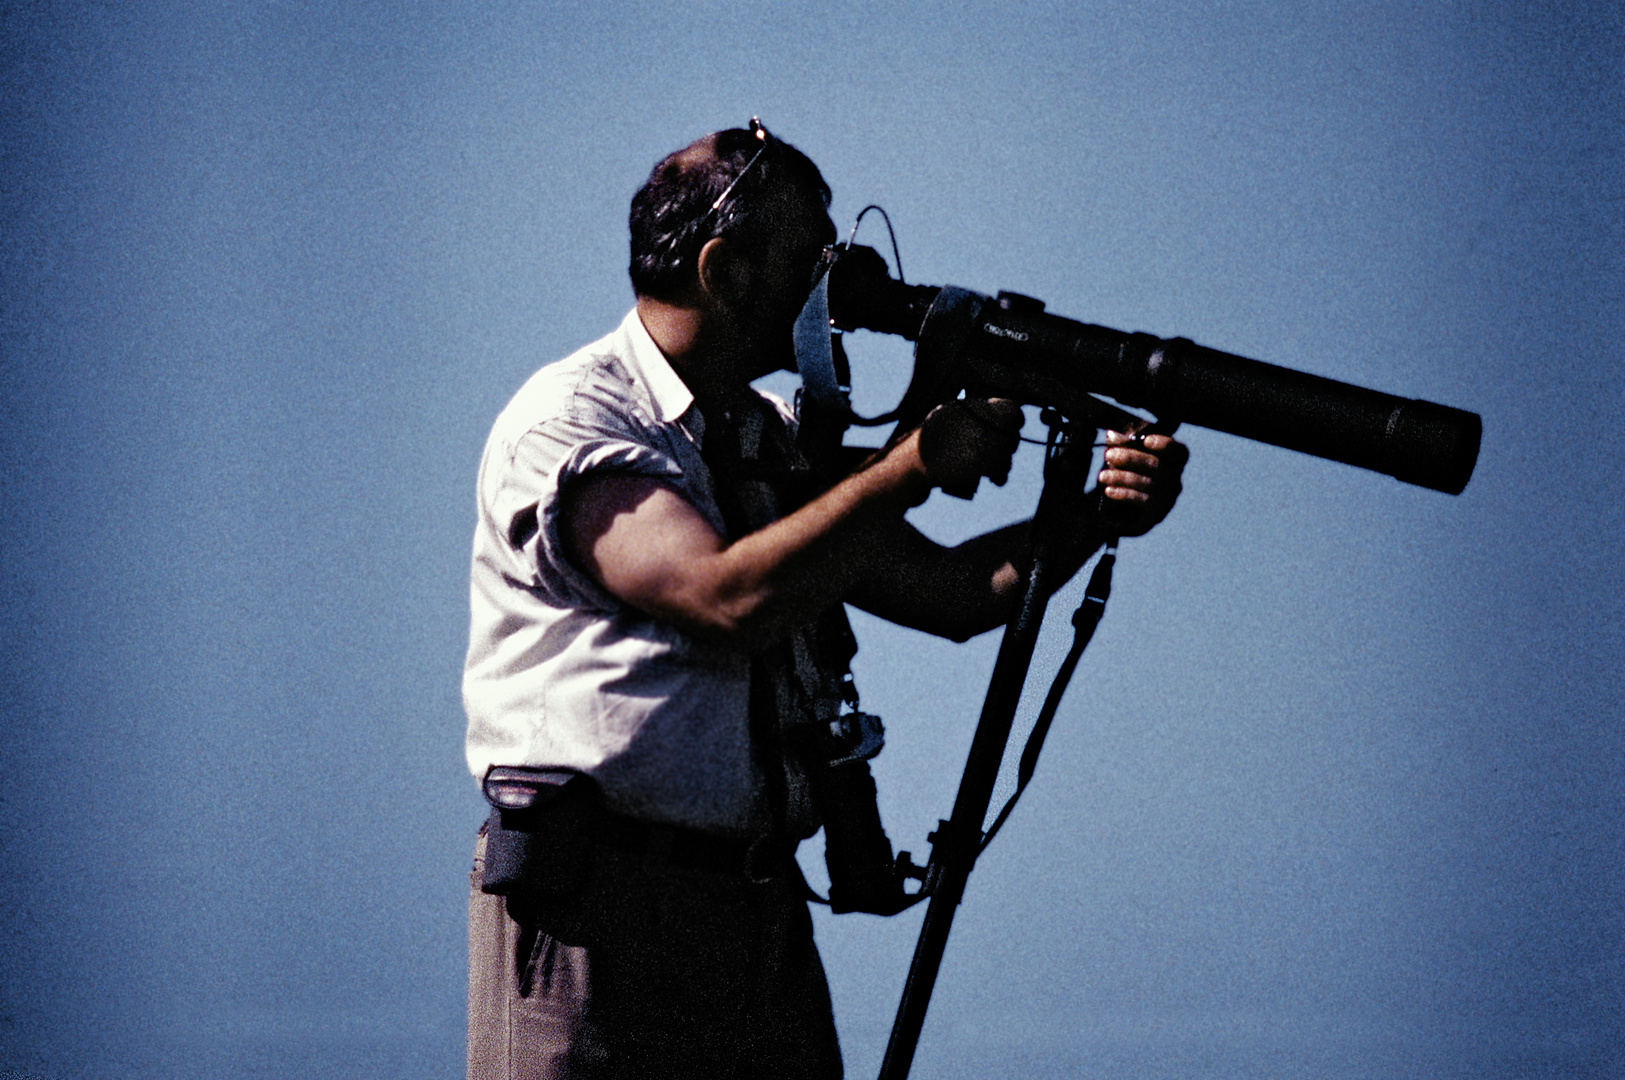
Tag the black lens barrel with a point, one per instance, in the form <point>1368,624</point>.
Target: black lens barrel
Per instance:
<point>1419,442</point>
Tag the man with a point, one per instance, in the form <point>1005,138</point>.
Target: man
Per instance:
<point>649,596</point>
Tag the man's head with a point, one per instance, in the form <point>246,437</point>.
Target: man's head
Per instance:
<point>774,187</point>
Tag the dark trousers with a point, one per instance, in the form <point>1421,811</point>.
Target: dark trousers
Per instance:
<point>654,970</point>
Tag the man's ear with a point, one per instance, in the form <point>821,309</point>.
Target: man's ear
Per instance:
<point>724,276</point>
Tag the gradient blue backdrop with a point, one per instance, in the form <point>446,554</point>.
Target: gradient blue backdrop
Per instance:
<point>1337,792</point>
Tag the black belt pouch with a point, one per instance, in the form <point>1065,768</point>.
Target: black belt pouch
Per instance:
<point>540,836</point>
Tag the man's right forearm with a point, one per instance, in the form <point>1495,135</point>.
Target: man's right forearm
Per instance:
<point>651,549</point>
<point>780,576</point>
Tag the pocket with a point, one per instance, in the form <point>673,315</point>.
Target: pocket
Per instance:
<point>544,851</point>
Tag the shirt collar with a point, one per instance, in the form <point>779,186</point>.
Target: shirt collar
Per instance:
<point>670,395</point>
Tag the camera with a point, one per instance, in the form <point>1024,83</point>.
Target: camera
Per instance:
<point>1009,346</point>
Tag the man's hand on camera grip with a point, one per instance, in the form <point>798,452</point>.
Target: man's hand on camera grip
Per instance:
<point>963,441</point>
<point>1141,478</point>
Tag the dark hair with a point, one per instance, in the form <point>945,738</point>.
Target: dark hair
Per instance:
<point>672,219</point>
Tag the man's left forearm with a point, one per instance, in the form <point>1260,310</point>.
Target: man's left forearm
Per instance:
<point>966,590</point>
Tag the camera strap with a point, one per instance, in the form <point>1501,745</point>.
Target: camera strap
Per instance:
<point>759,475</point>
<point>822,387</point>
<point>809,739</point>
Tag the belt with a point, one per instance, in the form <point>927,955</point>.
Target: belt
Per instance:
<point>758,857</point>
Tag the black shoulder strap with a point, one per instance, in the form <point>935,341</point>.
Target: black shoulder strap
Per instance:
<point>1084,622</point>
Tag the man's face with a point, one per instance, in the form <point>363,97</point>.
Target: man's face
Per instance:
<point>781,279</point>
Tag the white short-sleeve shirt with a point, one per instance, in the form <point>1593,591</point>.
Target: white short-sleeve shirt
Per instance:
<point>559,672</point>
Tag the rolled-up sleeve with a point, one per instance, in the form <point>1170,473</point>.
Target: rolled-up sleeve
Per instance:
<point>558,465</point>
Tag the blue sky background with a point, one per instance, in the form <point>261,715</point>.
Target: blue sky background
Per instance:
<point>1337,791</point>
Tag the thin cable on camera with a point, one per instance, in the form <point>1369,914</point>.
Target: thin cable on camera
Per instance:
<point>896,255</point>
<point>1045,442</point>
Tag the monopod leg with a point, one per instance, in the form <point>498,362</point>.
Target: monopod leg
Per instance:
<point>957,841</point>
